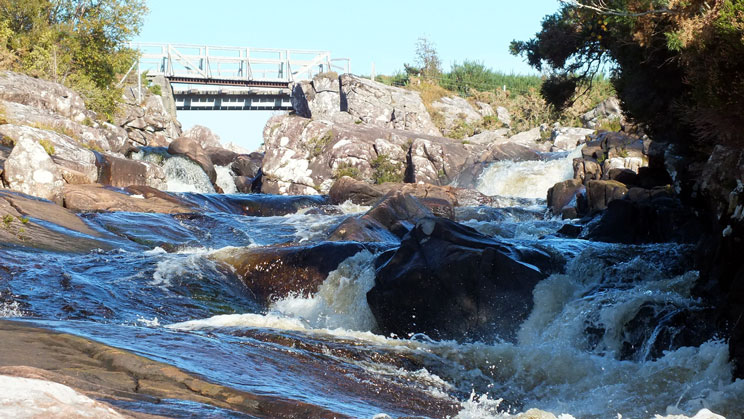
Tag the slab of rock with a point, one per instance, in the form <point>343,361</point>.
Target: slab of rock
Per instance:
<point>385,106</point>
<point>568,138</point>
<point>120,172</point>
<point>43,94</point>
<point>31,171</point>
<point>608,110</point>
<point>320,98</point>
<point>450,282</point>
<point>86,198</point>
<point>204,136</point>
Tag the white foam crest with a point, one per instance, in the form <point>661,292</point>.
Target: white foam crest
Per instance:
<point>526,179</point>
<point>11,309</point>
<point>183,175</point>
<point>341,300</point>
<point>174,266</point>
<point>248,320</point>
<point>225,179</point>
<point>348,207</point>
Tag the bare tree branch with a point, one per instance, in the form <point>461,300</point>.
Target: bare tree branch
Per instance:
<point>600,7</point>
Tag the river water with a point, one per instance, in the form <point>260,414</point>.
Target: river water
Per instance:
<point>161,293</point>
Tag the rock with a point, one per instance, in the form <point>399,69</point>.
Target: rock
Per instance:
<point>43,94</point>
<point>191,149</point>
<point>455,111</point>
<point>303,156</point>
<point>244,184</point>
<point>586,170</point>
<point>532,139</point>
<point>275,272</point>
<point>319,98</point>
<point>625,176</point>
<point>658,219</point>
<point>391,218</point>
<point>484,109</point>
<point>567,139</point>
<point>86,198</point>
<point>203,136</point>
<point>489,137</point>
<point>119,172</point>
<point>503,114</point>
<point>602,192</point>
<point>362,193</point>
<point>148,123</point>
<point>608,110</point>
<point>385,106</point>
<point>220,156</point>
<point>247,165</point>
<point>481,158</point>
<point>21,215</point>
<point>31,171</point>
<point>631,163</point>
<point>67,152</point>
<point>567,198</point>
<point>450,282</point>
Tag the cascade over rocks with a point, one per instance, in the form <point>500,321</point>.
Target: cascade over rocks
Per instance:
<point>191,149</point>
<point>450,282</point>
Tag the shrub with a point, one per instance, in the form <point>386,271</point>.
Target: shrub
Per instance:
<point>346,169</point>
<point>385,170</point>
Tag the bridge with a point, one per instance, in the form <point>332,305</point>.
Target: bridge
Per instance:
<point>232,78</point>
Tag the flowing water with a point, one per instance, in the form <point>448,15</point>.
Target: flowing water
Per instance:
<point>582,352</point>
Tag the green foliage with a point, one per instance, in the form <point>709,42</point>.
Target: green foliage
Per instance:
<point>609,125</point>
<point>678,66</point>
<point>398,79</point>
<point>48,146</point>
<point>461,130</point>
<point>385,170</point>
<point>80,43</point>
<point>155,89</point>
<point>346,169</point>
<point>427,58</point>
<point>7,220</point>
<point>472,75</point>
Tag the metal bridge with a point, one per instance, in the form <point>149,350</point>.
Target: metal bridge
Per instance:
<point>233,78</point>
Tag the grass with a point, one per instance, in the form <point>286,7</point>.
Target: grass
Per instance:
<point>48,146</point>
<point>55,128</point>
<point>346,169</point>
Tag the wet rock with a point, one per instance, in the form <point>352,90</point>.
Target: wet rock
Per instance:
<point>450,282</point>
<point>255,205</point>
<point>391,218</point>
<point>599,193</point>
<point>385,106</point>
<point>658,219</point>
<point>275,272</point>
<point>27,221</point>
<point>29,170</point>
<point>120,172</point>
<point>192,150</point>
<point>454,111</point>
<point>567,198</point>
<point>86,198</point>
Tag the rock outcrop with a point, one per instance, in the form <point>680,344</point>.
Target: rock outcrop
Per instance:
<point>450,282</point>
<point>454,112</point>
<point>148,123</point>
<point>31,171</point>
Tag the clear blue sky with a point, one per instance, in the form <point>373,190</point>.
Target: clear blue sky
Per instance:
<point>381,31</point>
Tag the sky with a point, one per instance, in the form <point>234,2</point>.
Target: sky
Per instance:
<point>382,32</point>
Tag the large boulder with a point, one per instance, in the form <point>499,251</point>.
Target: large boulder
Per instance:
<point>385,106</point>
<point>568,138</point>
<point>602,192</point>
<point>30,170</point>
<point>450,282</point>
<point>607,110</point>
<point>87,198</point>
<point>567,198</point>
<point>248,164</point>
<point>121,172</point>
<point>275,272</point>
<point>148,123</point>
<point>391,218</point>
<point>191,149</point>
<point>319,98</point>
<point>304,156</point>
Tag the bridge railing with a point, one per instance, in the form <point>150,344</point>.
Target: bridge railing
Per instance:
<point>202,62</point>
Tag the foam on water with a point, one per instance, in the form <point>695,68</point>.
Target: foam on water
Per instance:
<point>341,301</point>
<point>526,179</point>
<point>11,309</point>
<point>225,179</point>
<point>183,175</point>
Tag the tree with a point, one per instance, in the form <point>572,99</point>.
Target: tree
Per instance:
<point>677,65</point>
<point>81,43</point>
<point>427,59</point>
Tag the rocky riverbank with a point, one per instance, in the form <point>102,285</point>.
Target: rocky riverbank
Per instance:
<point>424,236</point>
